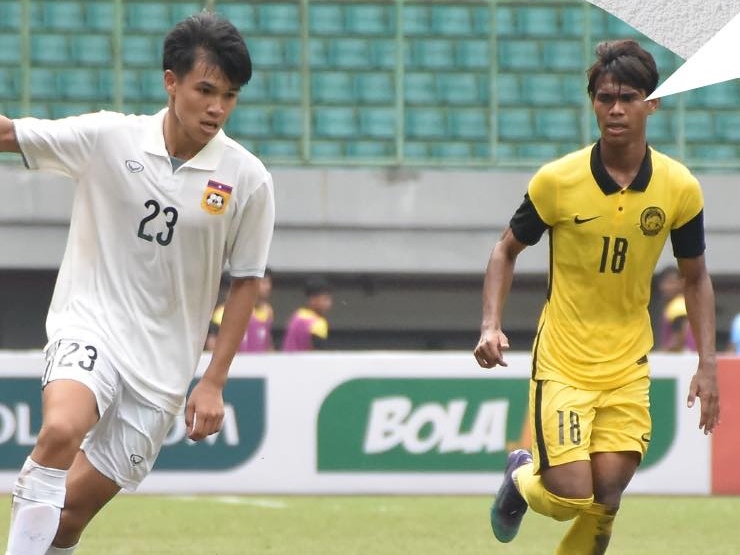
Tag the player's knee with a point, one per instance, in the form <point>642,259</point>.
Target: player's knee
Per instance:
<point>58,438</point>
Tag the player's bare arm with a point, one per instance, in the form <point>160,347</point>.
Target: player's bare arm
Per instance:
<point>496,286</point>
<point>8,141</point>
<point>204,411</point>
<point>699,295</point>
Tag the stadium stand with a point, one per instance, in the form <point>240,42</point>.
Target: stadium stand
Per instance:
<point>446,70</point>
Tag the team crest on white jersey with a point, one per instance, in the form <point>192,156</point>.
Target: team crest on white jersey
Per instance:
<point>215,197</point>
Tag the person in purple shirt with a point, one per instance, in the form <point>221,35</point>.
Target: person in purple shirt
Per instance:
<point>258,338</point>
<point>308,328</point>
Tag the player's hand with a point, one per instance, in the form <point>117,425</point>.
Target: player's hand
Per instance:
<point>204,412</point>
<point>704,386</point>
<point>490,349</point>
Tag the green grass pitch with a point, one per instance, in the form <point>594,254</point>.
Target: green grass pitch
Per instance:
<point>367,525</point>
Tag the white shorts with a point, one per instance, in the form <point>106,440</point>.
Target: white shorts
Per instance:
<point>125,442</point>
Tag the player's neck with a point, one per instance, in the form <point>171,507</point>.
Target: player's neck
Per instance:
<point>623,161</point>
<point>176,142</point>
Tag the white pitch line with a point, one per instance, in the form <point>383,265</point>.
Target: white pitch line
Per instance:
<point>236,500</point>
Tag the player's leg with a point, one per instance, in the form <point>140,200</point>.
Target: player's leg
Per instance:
<point>557,481</point>
<point>69,411</point>
<point>620,438</point>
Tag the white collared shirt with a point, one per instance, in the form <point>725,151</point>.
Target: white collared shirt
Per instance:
<point>147,245</point>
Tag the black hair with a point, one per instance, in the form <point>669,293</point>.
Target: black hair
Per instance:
<point>215,38</point>
<point>316,285</point>
<point>627,62</point>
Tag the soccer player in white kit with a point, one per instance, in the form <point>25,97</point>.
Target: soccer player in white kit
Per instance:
<point>162,203</point>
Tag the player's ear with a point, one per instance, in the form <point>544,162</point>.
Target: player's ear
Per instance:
<point>653,105</point>
<point>170,80</point>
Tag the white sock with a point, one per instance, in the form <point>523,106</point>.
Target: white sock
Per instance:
<point>38,498</point>
<point>61,550</point>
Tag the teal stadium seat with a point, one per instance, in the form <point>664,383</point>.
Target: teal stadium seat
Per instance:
<point>258,88</point>
<point>666,60</point>
<point>44,84</point>
<point>473,54</point>
<point>85,84</point>
<point>452,21</point>
<point>57,15</point>
<point>383,53</point>
<point>332,87</point>
<point>519,55</point>
<point>279,18</point>
<point>266,52</point>
<point>378,123</point>
<point>141,51</point>
<point>509,89</point>
<point>506,24</point>
<point>719,96</point>
<point>426,123</point>
<point>420,88</point>
<point>10,16</point>
<point>10,46</point>
<point>327,150</point>
<point>727,126</point>
<point>335,123</point>
<point>615,27</point>
<point>544,89</point>
<point>413,150</point>
<point>416,20</point>
<point>131,85</point>
<point>318,53</point>
<point>371,150</point>
<point>147,17</point>
<point>9,83</point>
<point>182,10</point>
<point>538,21</point>
<point>91,50</point>
<point>598,20</point>
<point>286,86</point>
<point>515,124</point>
<point>325,19</point>
<point>49,49</point>
<point>462,89</point>
<point>698,126</point>
<point>242,15</point>
<point>100,16</point>
<point>287,122</point>
<point>573,21</point>
<point>292,53</point>
<point>370,19</point>
<point>541,152</point>
<point>289,150</point>
<point>660,127</point>
<point>451,151</point>
<point>60,110</point>
<point>350,53</point>
<point>249,122</point>
<point>468,124</point>
<point>712,152</point>
<point>563,55</point>
<point>432,54</point>
<point>375,87</point>
<point>151,82</point>
<point>558,125</point>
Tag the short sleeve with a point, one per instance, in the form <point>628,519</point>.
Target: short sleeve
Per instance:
<point>320,328</point>
<point>526,224</point>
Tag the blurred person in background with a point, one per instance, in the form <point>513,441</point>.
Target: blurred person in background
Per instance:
<point>733,341</point>
<point>608,210</point>
<point>308,329</point>
<point>675,330</point>
<point>161,203</point>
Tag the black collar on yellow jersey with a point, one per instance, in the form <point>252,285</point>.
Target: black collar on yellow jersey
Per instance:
<point>605,181</point>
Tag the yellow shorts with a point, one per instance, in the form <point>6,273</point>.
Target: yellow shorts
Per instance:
<point>570,423</point>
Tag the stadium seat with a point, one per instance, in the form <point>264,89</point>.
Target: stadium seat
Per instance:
<point>325,19</point>
<point>573,21</point>
<point>58,15</point>
<point>258,88</point>
<point>375,87</point>
<point>378,123</point>
<point>10,16</point>
<point>370,19</point>
<point>181,10</point>
<point>99,16</point>
<point>286,86</point>
<point>508,89</point>
<point>506,24</point>
<point>432,54</point>
<point>141,51</point>
<point>278,150</point>
<point>712,152</point>
<point>383,53</point>
<point>91,50</point>
<point>515,124</point>
<point>461,89</point>
<point>370,149</point>
<point>151,82</point>
<point>10,46</point>
<point>146,17</point>
<point>413,150</point>
<point>563,55</point>
<point>423,123</point>
<point>65,109</point>
<point>241,14</point>
<point>541,152</point>
<point>666,60</point>
<point>598,21</point>
<point>287,122</point>
<point>543,89</point>
<point>727,126</point>
<point>44,84</point>
<point>9,83</point>
<point>558,125</point>
<point>350,53</point>
<point>326,150</point>
<point>266,52</point>
<point>335,123</point>
<point>615,27</point>
<point>416,20</point>
<point>84,84</point>
<point>131,85</point>
<point>538,21</point>
<point>698,126</point>
<point>519,55</point>
<point>318,53</point>
<point>332,87</point>
<point>420,88</point>
<point>473,54</point>
<point>452,20</point>
<point>721,95</point>
<point>279,18</point>
<point>450,151</point>
<point>468,124</point>
<point>292,53</point>
<point>248,122</point>
<point>660,128</point>
<point>49,49</point>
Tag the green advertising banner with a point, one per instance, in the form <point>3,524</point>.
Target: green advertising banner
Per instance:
<point>445,425</point>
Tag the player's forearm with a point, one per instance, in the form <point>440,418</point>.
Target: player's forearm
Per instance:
<point>496,286</point>
<point>237,310</point>
<point>8,140</point>
<point>699,295</point>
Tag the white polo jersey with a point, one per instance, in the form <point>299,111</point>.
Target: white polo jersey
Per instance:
<point>147,246</point>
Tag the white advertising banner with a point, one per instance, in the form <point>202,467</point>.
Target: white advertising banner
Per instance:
<point>369,423</point>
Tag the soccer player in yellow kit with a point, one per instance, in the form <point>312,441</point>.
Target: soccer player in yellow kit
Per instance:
<point>608,210</point>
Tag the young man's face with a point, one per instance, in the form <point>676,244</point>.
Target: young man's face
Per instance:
<point>621,111</point>
<point>202,101</point>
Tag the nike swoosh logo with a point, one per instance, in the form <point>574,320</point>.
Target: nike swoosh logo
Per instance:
<point>578,220</point>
